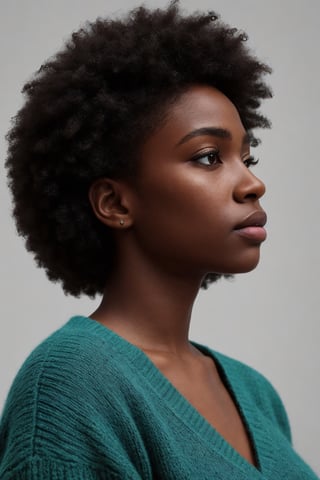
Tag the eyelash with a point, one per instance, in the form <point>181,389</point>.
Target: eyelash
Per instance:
<point>215,154</point>
<point>251,161</point>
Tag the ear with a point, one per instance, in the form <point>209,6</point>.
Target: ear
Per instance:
<point>110,201</point>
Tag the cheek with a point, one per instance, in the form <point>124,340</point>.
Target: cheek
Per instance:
<point>183,213</point>
<point>187,226</point>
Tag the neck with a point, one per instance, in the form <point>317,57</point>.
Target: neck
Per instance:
<point>149,307</point>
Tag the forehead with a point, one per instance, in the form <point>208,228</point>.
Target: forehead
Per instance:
<point>198,107</point>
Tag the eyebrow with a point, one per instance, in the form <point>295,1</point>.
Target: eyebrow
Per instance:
<point>213,132</point>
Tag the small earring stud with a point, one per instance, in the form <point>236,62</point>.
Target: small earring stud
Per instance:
<point>121,221</point>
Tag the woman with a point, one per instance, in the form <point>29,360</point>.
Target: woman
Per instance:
<point>129,166</point>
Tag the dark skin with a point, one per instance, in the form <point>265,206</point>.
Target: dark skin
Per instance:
<point>174,223</point>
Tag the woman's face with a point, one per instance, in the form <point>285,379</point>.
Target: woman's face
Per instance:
<point>195,189</point>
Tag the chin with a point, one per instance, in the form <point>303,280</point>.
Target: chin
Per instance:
<point>243,264</point>
<point>247,266</point>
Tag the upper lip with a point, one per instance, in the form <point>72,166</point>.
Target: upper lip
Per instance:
<point>258,218</point>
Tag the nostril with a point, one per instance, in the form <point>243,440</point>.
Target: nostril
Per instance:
<point>251,196</point>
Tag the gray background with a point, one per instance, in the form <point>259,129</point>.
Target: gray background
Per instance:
<point>268,318</point>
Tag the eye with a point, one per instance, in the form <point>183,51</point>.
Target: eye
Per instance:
<point>208,159</point>
<point>250,161</point>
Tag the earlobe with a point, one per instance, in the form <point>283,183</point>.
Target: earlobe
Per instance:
<point>110,204</point>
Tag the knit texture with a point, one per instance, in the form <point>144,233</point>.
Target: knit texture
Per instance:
<point>87,404</point>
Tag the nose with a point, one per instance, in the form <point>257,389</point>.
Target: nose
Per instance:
<point>249,187</point>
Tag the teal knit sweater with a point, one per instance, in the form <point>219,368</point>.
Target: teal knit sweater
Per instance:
<point>87,405</point>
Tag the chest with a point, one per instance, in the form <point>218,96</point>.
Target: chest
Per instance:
<point>219,409</point>
<point>204,389</point>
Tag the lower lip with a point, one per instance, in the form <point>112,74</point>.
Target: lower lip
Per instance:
<point>258,234</point>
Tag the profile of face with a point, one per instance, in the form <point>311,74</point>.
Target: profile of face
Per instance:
<point>194,205</point>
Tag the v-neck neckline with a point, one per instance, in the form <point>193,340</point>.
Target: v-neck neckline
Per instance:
<point>241,406</point>
<point>179,404</point>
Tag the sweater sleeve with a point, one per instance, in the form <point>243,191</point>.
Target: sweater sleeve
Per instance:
<point>42,468</point>
<point>65,418</point>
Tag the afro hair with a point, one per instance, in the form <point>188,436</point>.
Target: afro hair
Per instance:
<point>114,79</point>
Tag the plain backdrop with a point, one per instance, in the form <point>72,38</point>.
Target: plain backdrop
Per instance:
<point>268,318</point>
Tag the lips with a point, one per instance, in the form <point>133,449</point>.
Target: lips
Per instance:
<point>254,219</point>
<point>251,227</point>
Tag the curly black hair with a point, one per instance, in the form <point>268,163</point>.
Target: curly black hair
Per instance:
<point>114,79</point>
